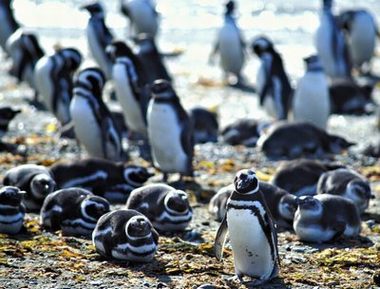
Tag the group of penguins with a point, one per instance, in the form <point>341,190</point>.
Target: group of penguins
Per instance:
<point>324,204</point>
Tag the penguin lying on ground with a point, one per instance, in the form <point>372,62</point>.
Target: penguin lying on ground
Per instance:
<point>113,181</point>
<point>168,209</point>
<point>206,125</point>
<point>75,211</point>
<point>299,139</point>
<point>125,235</point>
<point>12,211</point>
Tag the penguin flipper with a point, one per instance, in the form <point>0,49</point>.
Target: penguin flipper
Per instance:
<point>187,142</point>
<point>111,138</point>
<point>220,239</point>
<point>339,227</point>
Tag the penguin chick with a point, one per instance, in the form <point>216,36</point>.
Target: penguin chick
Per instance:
<point>12,211</point>
<point>205,125</point>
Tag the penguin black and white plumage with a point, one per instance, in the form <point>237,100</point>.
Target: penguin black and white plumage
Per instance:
<point>35,180</point>
<point>167,208</point>
<point>311,102</point>
<point>331,44</point>
<point>125,235</point>
<point>281,204</point>
<point>170,131</point>
<point>351,98</point>
<point>54,81</point>
<point>130,80</point>
<point>230,44</point>
<point>205,124</point>
<point>243,132</point>
<point>251,231</point>
<point>75,211</point>
<point>324,218</point>
<point>93,123</point>
<point>272,83</point>
<point>99,37</point>
<point>8,22</point>
<point>300,177</point>
<point>151,59</point>
<point>299,139</point>
<point>348,184</point>
<point>12,211</point>
<point>361,31</point>
<point>110,180</point>
<point>24,50</point>
<point>7,114</point>
<point>142,16</point>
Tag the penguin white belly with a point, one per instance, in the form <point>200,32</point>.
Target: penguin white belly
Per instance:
<point>43,81</point>
<point>362,40</point>
<point>231,50</point>
<point>311,100</point>
<point>143,17</point>
<point>98,52</point>
<point>313,232</point>
<point>252,252</point>
<point>86,127</point>
<point>131,108</point>
<point>165,137</point>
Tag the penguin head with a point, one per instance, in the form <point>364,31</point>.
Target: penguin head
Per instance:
<point>73,58</point>
<point>91,79</point>
<point>345,19</point>
<point>95,9</point>
<point>261,45</point>
<point>287,206</point>
<point>313,63</point>
<point>7,114</point>
<point>93,207</point>
<point>359,191</point>
<point>11,196</point>
<point>246,182</point>
<point>138,227</point>
<point>309,206</point>
<point>162,89</point>
<point>42,185</point>
<point>230,7</point>
<point>327,4</point>
<point>29,43</point>
<point>119,49</point>
<point>176,202</point>
<point>136,175</point>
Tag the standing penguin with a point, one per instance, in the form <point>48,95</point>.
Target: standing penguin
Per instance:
<point>53,78</point>
<point>311,101</point>
<point>129,80</point>
<point>142,15</point>
<point>93,123</point>
<point>361,31</point>
<point>331,45</point>
<point>252,234</point>
<point>35,180</point>
<point>230,44</point>
<point>8,23</point>
<point>170,131</point>
<point>99,37</point>
<point>272,83</point>
<point>12,211</point>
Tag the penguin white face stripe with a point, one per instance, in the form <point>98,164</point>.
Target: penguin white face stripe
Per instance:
<point>133,219</point>
<point>175,218</point>
<point>79,181</point>
<point>47,214</point>
<point>129,171</point>
<point>85,203</point>
<point>100,233</point>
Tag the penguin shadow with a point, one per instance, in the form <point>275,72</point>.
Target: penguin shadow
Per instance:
<point>243,86</point>
<point>343,243</point>
<point>277,283</point>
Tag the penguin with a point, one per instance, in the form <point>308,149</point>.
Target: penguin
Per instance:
<point>99,37</point>
<point>230,45</point>
<point>151,59</point>
<point>75,211</point>
<point>170,131</point>
<point>35,180</point>
<point>272,83</point>
<point>53,78</point>
<point>348,184</point>
<point>7,114</point>
<point>331,45</point>
<point>24,49</point>
<point>324,218</point>
<point>8,22</point>
<point>361,31</point>
<point>300,177</point>
<point>243,132</point>
<point>167,208</point>
<point>311,100</point>
<point>142,16</point>
<point>206,125</point>
<point>110,180</point>
<point>281,204</point>
<point>299,139</point>
<point>129,80</point>
<point>93,123</point>
<point>125,235</point>
<point>251,231</point>
<point>12,211</point>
